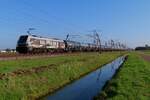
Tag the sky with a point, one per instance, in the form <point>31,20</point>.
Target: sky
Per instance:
<point>127,21</point>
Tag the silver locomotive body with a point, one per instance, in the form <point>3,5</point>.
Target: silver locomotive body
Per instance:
<point>31,43</point>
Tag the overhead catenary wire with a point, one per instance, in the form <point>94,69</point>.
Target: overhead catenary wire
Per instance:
<point>59,20</point>
<point>26,14</point>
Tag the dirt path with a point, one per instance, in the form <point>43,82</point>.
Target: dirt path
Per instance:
<point>145,57</point>
<point>21,72</point>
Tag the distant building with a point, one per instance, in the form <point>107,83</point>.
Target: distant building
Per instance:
<point>146,47</point>
<point>3,51</point>
<point>8,50</point>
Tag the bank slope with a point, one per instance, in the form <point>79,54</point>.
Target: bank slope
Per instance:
<point>132,82</point>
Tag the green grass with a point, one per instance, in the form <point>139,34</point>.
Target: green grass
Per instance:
<point>145,52</point>
<point>12,65</point>
<point>131,83</point>
<point>38,84</point>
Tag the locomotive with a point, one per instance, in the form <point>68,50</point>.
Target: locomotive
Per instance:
<point>38,44</point>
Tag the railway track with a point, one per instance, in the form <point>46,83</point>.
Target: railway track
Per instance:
<point>16,56</point>
<point>27,56</point>
<point>5,57</point>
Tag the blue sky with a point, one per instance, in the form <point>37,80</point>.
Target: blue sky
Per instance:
<point>124,20</point>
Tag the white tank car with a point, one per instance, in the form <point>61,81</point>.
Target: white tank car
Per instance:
<point>32,43</point>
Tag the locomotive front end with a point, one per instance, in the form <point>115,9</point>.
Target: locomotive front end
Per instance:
<point>22,44</point>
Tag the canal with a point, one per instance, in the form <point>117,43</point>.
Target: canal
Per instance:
<point>88,86</point>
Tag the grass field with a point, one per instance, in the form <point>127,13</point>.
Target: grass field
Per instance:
<point>145,52</point>
<point>131,83</point>
<point>60,70</point>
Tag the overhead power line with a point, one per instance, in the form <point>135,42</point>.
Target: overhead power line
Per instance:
<point>58,20</point>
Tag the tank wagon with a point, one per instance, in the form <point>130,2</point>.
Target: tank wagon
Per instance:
<point>37,44</point>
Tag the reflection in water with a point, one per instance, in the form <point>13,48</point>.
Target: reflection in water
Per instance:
<point>99,74</point>
<point>112,65</point>
<point>89,86</point>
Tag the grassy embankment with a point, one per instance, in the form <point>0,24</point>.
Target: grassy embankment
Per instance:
<point>132,82</point>
<point>26,79</point>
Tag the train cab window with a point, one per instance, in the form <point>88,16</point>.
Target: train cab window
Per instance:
<point>23,39</point>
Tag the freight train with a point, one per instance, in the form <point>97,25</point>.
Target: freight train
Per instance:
<point>37,44</point>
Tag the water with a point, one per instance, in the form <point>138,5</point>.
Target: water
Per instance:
<point>90,85</point>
